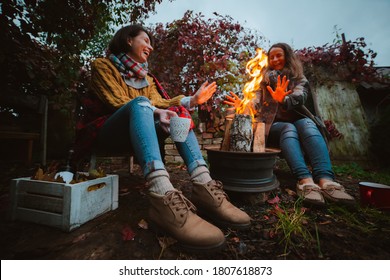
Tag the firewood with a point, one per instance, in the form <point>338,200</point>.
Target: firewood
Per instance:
<point>241,133</point>
<point>259,138</point>
<point>226,138</point>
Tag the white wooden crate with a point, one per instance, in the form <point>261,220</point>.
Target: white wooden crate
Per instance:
<point>64,206</point>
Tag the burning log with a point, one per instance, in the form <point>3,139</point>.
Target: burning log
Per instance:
<point>259,138</point>
<point>241,133</point>
<point>226,139</point>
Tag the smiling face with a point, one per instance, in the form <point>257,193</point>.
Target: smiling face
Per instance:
<point>276,58</point>
<point>140,47</point>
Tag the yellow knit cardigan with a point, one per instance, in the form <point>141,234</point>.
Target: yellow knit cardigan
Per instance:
<point>108,84</point>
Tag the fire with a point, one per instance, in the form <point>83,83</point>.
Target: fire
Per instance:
<point>253,68</point>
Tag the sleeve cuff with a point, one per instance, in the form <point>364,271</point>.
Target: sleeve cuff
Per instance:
<point>186,101</point>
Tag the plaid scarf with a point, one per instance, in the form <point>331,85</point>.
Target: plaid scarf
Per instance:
<point>160,88</point>
<point>128,67</point>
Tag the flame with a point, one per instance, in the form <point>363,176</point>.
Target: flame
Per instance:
<point>253,68</point>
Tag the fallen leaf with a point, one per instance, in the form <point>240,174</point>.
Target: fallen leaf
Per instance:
<point>127,233</point>
<point>235,239</point>
<point>325,223</point>
<point>278,209</point>
<point>143,224</point>
<point>38,175</point>
<point>274,200</point>
<point>268,234</point>
<point>272,234</point>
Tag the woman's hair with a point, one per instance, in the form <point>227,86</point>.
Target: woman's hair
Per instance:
<point>293,67</point>
<point>118,43</point>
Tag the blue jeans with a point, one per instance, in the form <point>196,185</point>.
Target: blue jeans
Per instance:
<point>134,128</point>
<point>300,140</point>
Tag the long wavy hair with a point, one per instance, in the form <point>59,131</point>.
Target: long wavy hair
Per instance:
<point>293,68</point>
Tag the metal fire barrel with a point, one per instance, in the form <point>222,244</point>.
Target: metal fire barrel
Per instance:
<point>243,171</point>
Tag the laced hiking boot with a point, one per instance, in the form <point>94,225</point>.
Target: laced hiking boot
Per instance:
<point>311,194</point>
<point>175,215</point>
<point>213,203</point>
<point>335,192</point>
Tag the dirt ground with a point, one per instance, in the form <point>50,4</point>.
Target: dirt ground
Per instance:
<point>335,233</point>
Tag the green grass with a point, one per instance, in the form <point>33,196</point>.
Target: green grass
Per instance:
<point>292,223</point>
<point>364,219</point>
<point>381,176</point>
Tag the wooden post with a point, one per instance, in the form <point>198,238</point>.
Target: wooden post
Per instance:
<point>259,138</point>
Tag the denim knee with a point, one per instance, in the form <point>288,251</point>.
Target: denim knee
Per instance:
<point>288,131</point>
<point>139,103</point>
<point>307,128</point>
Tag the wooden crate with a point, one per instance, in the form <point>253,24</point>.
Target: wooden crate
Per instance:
<point>64,206</point>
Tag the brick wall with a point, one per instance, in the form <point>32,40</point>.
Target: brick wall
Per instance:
<point>206,141</point>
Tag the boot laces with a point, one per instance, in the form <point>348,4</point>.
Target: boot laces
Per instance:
<point>179,202</point>
<point>310,188</point>
<point>332,187</point>
<point>216,190</point>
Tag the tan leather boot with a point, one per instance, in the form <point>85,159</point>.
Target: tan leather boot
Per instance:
<point>175,214</point>
<point>213,203</point>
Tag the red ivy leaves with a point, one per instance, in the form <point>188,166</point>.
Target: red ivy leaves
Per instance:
<point>333,131</point>
<point>349,61</point>
<point>200,49</point>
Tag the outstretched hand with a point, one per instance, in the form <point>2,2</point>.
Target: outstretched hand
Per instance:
<point>233,100</point>
<point>203,94</point>
<point>280,91</point>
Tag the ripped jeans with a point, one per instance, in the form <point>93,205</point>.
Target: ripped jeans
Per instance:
<point>300,140</point>
<point>134,128</point>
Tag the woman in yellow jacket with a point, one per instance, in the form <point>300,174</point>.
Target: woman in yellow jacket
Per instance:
<point>135,112</point>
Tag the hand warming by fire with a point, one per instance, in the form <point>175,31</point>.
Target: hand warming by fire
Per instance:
<point>239,132</point>
<point>280,91</point>
<point>253,68</point>
<point>286,128</point>
<point>278,94</point>
<point>244,128</point>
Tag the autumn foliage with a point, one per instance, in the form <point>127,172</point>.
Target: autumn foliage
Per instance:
<point>45,43</point>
